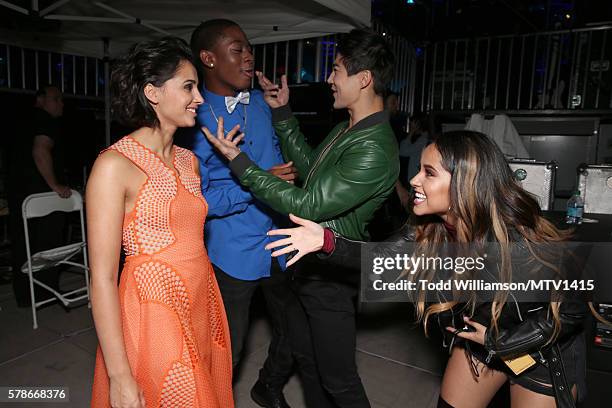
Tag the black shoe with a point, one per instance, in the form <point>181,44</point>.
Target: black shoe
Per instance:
<point>268,397</point>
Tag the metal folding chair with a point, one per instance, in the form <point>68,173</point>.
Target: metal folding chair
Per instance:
<point>41,205</point>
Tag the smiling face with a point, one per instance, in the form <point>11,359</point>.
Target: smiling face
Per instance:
<point>432,185</point>
<point>346,88</point>
<point>229,65</point>
<point>178,98</point>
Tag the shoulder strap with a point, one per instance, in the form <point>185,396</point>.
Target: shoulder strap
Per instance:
<point>186,166</point>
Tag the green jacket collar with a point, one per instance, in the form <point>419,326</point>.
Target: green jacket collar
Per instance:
<point>371,120</point>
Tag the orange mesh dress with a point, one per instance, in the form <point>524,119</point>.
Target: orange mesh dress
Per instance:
<point>174,325</point>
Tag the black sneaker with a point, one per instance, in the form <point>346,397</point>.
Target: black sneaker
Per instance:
<point>268,397</point>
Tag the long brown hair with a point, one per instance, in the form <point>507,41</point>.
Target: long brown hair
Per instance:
<point>489,206</point>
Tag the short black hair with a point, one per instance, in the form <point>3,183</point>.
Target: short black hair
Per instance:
<point>208,34</point>
<point>42,91</point>
<point>148,62</point>
<point>362,50</point>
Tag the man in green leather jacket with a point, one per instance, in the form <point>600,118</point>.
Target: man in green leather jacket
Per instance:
<point>344,180</point>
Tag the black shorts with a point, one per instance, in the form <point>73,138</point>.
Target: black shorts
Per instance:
<point>537,378</point>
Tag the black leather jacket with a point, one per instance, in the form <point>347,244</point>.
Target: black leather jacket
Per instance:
<point>524,328</point>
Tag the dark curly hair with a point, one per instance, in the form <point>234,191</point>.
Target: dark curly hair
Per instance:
<point>365,50</point>
<point>148,62</point>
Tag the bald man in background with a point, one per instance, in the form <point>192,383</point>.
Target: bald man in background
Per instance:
<point>36,165</point>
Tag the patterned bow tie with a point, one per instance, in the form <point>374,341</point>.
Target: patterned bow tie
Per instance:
<point>232,101</point>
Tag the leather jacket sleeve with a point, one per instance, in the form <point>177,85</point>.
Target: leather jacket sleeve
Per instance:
<point>535,331</point>
<point>347,253</point>
<point>293,147</point>
<point>363,169</point>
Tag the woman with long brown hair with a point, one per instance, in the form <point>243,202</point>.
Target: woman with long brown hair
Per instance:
<point>465,194</point>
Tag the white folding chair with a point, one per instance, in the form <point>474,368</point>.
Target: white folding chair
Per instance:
<point>40,205</point>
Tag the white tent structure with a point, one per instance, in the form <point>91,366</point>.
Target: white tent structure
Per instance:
<point>106,28</point>
<point>83,26</point>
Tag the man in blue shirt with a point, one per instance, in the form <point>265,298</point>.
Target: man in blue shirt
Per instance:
<point>237,225</point>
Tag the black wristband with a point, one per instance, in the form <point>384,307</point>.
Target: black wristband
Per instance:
<point>240,163</point>
<point>281,113</point>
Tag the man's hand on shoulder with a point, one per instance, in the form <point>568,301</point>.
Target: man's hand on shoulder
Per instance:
<point>274,95</point>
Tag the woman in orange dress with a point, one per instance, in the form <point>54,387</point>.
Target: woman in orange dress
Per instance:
<point>163,333</point>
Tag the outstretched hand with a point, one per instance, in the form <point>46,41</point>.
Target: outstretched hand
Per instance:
<point>227,145</point>
<point>306,238</point>
<point>274,95</point>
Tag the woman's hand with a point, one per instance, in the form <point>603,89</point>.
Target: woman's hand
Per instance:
<point>227,145</point>
<point>304,239</point>
<point>477,336</point>
<point>125,392</point>
<point>274,95</point>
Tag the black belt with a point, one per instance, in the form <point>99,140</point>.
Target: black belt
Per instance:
<point>561,389</point>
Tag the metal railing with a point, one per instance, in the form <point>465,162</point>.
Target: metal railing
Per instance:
<point>560,70</point>
<point>404,78</point>
<point>306,60</point>
<point>24,69</point>
<point>311,60</point>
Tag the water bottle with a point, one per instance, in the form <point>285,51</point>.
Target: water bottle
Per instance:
<point>575,209</point>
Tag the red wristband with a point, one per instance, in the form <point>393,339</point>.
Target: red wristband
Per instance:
<point>329,241</point>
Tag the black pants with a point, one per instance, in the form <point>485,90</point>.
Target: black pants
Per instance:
<point>330,307</point>
<point>290,333</point>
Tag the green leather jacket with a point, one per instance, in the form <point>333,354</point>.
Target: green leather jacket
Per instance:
<point>345,179</point>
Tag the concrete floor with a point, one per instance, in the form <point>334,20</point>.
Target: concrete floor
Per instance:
<point>399,367</point>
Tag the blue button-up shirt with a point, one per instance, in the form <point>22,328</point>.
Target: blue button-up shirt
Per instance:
<point>235,232</point>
